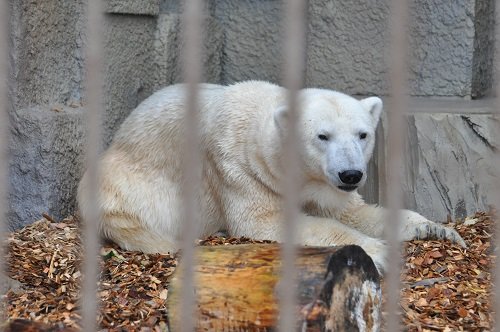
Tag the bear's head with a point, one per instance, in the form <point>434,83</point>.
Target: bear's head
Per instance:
<point>338,135</point>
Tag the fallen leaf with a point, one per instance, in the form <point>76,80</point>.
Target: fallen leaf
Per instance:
<point>163,294</point>
<point>422,302</point>
<point>462,312</point>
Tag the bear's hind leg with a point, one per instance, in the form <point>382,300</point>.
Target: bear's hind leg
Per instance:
<point>130,234</point>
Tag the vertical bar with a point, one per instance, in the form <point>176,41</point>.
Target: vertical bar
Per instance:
<point>4,130</point>
<point>294,67</point>
<point>397,107</point>
<point>89,301</point>
<point>496,161</point>
<point>191,158</point>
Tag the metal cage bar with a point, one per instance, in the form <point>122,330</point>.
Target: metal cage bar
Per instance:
<point>294,67</point>
<point>4,133</point>
<point>496,161</point>
<point>94,65</point>
<point>191,158</point>
<point>398,104</point>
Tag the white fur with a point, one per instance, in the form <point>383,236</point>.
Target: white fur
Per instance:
<point>241,129</point>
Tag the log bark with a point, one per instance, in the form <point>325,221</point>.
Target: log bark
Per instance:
<point>236,289</point>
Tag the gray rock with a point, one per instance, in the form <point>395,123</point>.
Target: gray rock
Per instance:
<point>346,46</point>
<point>47,54</point>
<point>167,49</point>
<point>213,50</point>
<point>129,59</point>
<point>442,47</point>
<point>449,168</point>
<point>252,39</point>
<point>137,7</point>
<point>47,148</point>
<point>482,64</point>
<point>450,45</point>
<point>10,284</point>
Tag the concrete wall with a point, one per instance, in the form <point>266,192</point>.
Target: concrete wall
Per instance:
<point>347,44</point>
<point>449,168</point>
<point>46,91</point>
<point>129,54</point>
<point>451,55</point>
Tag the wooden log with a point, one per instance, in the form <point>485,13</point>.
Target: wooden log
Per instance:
<point>237,287</point>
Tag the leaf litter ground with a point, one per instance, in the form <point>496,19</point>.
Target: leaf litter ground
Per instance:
<point>445,287</point>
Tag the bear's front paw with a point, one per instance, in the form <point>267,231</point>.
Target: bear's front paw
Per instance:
<point>377,250</point>
<point>430,230</point>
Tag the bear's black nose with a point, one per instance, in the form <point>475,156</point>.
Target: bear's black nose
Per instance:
<point>351,177</point>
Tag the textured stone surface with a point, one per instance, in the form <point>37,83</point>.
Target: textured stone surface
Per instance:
<point>252,39</point>
<point>442,47</point>
<point>348,43</point>
<point>212,50</point>
<point>449,167</point>
<point>47,51</point>
<point>47,63</point>
<point>167,48</point>
<point>137,7</point>
<point>482,65</point>
<point>128,66</point>
<point>47,147</point>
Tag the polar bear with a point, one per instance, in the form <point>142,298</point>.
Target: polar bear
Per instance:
<point>241,129</point>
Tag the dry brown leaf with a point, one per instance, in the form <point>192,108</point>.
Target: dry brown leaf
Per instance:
<point>422,302</point>
<point>448,288</point>
<point>462,312</point>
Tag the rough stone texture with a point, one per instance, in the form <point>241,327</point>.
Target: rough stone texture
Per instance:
<point>47,55</point>
<point>47,146</point>
<point>137,7</point>
<point>128,66</point>
<point>442,43</point>
<point>347,45</point>
<point>212,50</point>
<point>449,164</point>
<point>252,39</point>
<point>167,48</point>
<point>482,65</point>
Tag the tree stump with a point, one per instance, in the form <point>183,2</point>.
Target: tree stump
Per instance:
<point>237,287</point>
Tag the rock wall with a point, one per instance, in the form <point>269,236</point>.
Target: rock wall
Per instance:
<point>46,93</point>
<point>449,168</point>
<point>448,160</point>
<point>129,66</point>
<point>451,54</point>
<point>450,45</point>
<point>46,162</point>
<point>47,52</point>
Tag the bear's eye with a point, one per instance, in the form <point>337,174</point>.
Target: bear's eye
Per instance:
<point>363,135</point>
<point>323,137</point>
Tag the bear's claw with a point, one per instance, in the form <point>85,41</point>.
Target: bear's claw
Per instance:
<point>432,230</point>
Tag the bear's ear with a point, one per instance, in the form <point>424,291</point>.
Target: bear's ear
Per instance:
<point>374,106</point>
<point>281,117</point>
